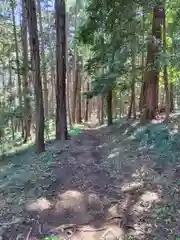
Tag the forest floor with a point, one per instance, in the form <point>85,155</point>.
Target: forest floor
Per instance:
<point>118,182</point>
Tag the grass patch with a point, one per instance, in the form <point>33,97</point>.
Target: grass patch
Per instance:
<point>75,131</point>
<point>52,238</point>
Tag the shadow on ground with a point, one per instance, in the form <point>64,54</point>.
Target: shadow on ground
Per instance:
<point>103,180</point>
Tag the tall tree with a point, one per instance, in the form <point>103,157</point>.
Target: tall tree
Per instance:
<point>26,89</point>
<point>61,118</point>
<point>42,48</point>
<point>35,62</point>
<point>132,106</point>
<point>109,107</point>
<point>166,84</point>
<point>17,62</point>
<point>152,66</point>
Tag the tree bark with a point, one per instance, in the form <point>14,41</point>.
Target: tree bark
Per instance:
<point>68,76</point>
<point>78,112</point>
<point>142,97</point>
<point>152,67</point>
<point>17,65</point>
<point>171,97</point>
<point>26,90</point>
<point>133,100</point>
<point>102,111</point>
<point>61,118</point>
<point>75,72</point>
<point>75,89</point>
<point>42,48</point>
<point>35,60</point>
<point>166,84</point>
<point>109,107</point>
<point>87,105</point>
<point>98,108</point>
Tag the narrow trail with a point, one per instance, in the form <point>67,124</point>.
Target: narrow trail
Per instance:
<point>97,191</point>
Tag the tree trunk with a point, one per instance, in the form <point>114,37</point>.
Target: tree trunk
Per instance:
<point>134,79</point>
<point>98,108</point>
<point>102,111</point>
<point>130,106</point>
<point>26,90</point>
<point>68,98</point>
<point>68,77</point>
<point>109,107</point>
<point>11,104</point>
<point>87,105</point>
<point>133,100</point>
<point>75,89</point>
<point>42,48</point>
<point>166,85</point>
<point>35,59</point>
<point>142,97</point>
<point>75,72</point>
<point>152,67</point>
<point>78,112</point>
<point>171,97</point>
<point>17,64</point>
<point>61,119</point>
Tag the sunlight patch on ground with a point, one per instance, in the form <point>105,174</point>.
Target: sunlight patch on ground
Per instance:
<point>144,170</point>
<point>131,186</point>
<point>142,230</point>
<point>150,197</point>
<point>40,204</point>
<point>145,202</point>
<point>78,203</point>
<point>112,155</point>
<point>70,199</point>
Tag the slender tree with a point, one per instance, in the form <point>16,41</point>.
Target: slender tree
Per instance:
<point>61,119</point>
<point>35,62</point>
<point>109,107</point>
<point>17,64</point>
<point>166,84</point>
<point>42,48</point>
<point>26,89</point>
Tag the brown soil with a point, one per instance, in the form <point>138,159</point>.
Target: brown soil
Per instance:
<point>87,193</point>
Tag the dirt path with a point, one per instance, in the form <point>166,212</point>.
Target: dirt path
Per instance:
<point>102,184</point>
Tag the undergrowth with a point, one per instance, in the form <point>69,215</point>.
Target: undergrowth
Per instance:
<point>160,141</point>
<point>23,166</point>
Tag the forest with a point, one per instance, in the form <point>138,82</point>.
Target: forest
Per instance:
<point>89,119</point>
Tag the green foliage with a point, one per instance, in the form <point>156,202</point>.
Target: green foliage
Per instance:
<point>75,131</point>
<point>109,34</point>
<point>158,140</point>
<point>52,238</point>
